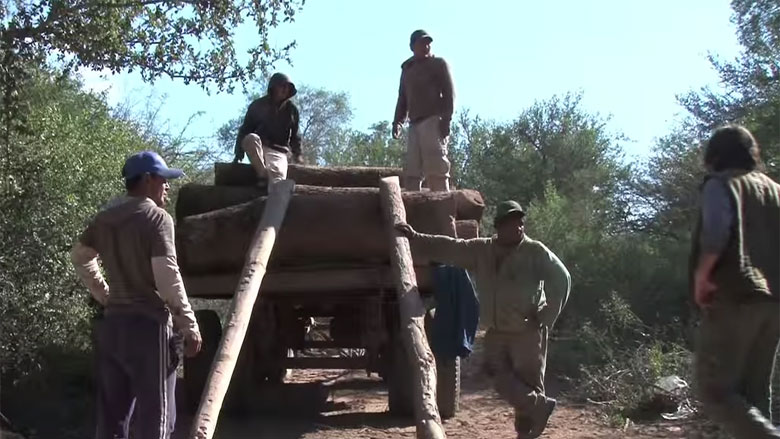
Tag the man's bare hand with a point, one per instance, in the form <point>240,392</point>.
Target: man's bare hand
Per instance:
<point>396,130</point>
<point>406,230</point>
<point>192,344</point>
<point>298,159</point>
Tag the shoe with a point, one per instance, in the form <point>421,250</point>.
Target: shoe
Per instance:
<point>541,423</point>
<point>523,426</point>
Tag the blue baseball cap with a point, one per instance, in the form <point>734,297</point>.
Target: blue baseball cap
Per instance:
<point>148,162</point>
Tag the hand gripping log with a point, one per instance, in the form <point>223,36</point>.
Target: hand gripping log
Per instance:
<point>241,309</point>
<point>422,362</point>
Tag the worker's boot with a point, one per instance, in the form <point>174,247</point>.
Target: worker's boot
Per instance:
<point>523,425</point>
<point>541,417</point>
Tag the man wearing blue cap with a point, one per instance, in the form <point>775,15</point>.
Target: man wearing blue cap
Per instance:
<point>522,289</point>
<point>425,98</point>
<point>136,347</point>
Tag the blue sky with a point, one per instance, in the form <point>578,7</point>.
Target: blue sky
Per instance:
<point>629,58</point>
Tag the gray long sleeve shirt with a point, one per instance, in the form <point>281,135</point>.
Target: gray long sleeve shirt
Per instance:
<point>717,216</point>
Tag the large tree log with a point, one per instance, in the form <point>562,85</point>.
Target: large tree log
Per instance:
<point>413,313</point>
<point>467,229</point>
<point>240,174</point>
<point>337,226</point>
<point>243,303</point>
<point>194,199</point>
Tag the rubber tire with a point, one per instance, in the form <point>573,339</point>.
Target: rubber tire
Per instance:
<point>448,386</point>
<point>196,369</point>
<point>399,383</point>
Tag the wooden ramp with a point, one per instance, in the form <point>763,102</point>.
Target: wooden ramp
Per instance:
<point>248,288</point>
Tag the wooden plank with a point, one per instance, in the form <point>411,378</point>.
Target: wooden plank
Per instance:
<point>262,244</point>
<point>429,425</point>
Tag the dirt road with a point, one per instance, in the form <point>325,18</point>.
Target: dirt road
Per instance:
<point>349,405</point>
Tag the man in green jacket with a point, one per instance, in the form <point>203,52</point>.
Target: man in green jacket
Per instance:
<point>736,283</point>
<point>522,288</point>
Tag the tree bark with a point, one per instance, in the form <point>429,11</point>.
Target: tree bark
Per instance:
<point>467,229</point>
<point>241,310</point>
<point>195,199</point>
<point>412,311</point>
<point>336,226</point>
<point>241,174</point>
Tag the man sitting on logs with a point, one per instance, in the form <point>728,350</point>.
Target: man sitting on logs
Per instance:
<point>522,288</point>
<point>270,131</point>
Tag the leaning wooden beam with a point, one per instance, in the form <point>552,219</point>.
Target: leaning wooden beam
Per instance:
<point>426,411</point>
<point>241,309</point>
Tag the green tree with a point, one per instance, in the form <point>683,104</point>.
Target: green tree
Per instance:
<point>55,179</point>
<point>193,41</point>
<point>373,148</point>
<point>751,83</point>
<point>553,143</point>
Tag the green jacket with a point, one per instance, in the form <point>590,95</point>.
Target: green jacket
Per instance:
<point>526,282</point>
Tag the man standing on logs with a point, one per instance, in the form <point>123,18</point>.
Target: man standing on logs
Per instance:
<point>270,131</point>
<point>522,289</point>
<point>425,97</point>
<point>736,280</point>
<point>136,347</point>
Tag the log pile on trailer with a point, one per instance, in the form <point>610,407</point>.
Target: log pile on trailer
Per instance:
<point>331,260</point>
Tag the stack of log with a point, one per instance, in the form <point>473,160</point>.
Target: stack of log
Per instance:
<point>335,225</point>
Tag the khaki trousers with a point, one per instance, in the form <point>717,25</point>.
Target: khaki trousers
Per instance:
<point>426,157</point>
<point>735,354</point>
<point>267,162</point>
<point>516,361</point>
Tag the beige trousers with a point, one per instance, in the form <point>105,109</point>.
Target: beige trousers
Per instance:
<point>267,162</point>
<point>516,361</point>
<point>426,157</point>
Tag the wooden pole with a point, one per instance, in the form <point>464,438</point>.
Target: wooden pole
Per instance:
<point>241,310</point>
<point>423,364</point>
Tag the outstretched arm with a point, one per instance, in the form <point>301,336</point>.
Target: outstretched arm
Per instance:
<point>462,253</point>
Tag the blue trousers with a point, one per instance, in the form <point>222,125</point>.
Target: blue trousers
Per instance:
<point>136,358</point>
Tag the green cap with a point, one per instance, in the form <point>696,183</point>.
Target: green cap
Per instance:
<point>416,35</point>
<point>506,209</point>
